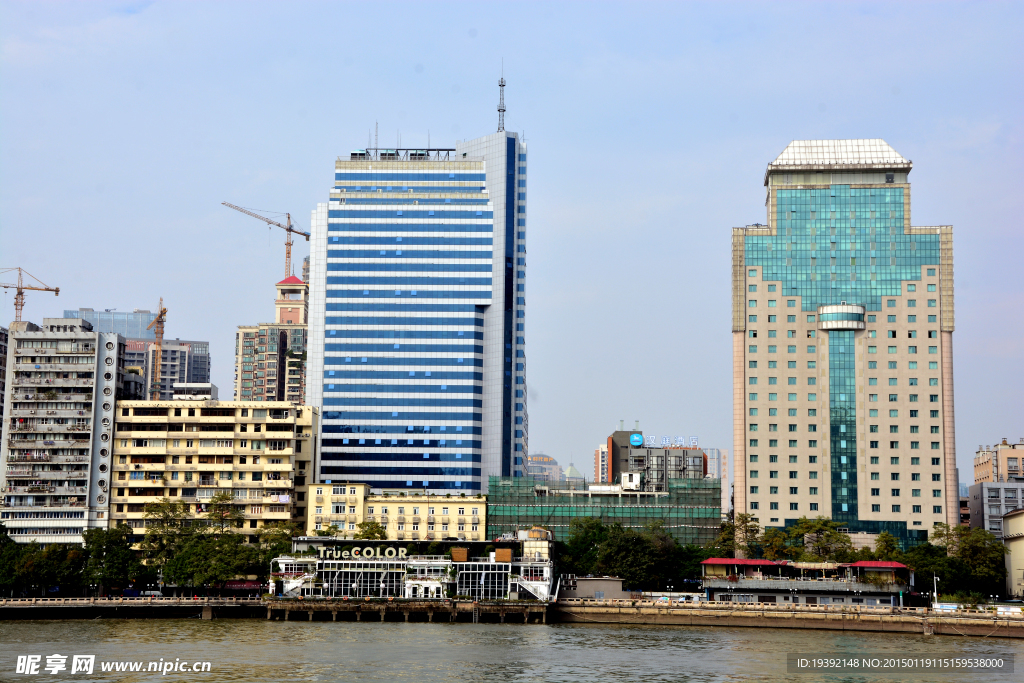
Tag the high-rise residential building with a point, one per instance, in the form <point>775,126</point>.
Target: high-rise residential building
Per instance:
<point>3,370</point>
<point>58,418</point>
<point>270,358</point>
<point>181,362</point>
<point>261,456</point>
<point>417,316</point>
<point>843,348</point>
<point>602,466</point>
<point>997,463</point>
<point>305,269</point>
<point>132,325</point>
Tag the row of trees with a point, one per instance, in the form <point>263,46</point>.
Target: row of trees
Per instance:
<point>969,562</point>
<point>178,547</point>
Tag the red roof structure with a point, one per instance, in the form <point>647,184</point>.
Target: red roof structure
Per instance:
<point>878,564</point>
<point>291,280</point>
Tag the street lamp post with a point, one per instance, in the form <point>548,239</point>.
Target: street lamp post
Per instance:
<point>935,586</point>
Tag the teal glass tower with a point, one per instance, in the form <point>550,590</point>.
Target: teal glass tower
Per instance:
<point>842,347</point>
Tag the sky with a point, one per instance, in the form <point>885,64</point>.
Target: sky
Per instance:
<point>124,125</point>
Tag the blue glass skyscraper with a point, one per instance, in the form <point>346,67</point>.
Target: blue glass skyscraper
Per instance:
<point>843,348</point>
<point>417,317</point>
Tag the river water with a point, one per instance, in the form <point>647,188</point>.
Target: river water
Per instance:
<point>257,650</point>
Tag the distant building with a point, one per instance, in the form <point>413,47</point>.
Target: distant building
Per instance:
<point>204,391</point>
<point>59,414</point>
<point>305,269</point>
<point>989,501</point>
<point>965,510</point>
<point>1013,537</point>
<point>618,452</point>
<point>189,452</point>
<point>270,358</point>
<point>544,467</point>
<point>999,462</point>
<point>573,475</point>
<point>132,325</point>
<point>406,515</point>
<point>182,361</point>
<point>602,467</point>
<point>3,370</point>
<point>689,508</point>
<point>656,467</point>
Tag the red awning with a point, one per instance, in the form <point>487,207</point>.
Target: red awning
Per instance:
<point>878,564</point>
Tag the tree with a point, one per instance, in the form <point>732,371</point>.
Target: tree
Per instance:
<point>223,514</point>
<point>980,552</point>
<point>207,560</point>
<point>821,539</point>
<point>371,531</point>
<point>55,566</point>
<point>168,527</point>
<point>774,544</point>
<point>627,554</point>
<point>586,534</point>
<point>887,547</point>
<point>110,560</point>
<point>332,530</point>
<point>10,558</point>
<point>273,540</point>
<point>736,536</point>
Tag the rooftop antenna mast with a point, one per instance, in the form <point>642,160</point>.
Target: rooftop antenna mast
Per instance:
<point>501,105</point>
<point>375,127</point>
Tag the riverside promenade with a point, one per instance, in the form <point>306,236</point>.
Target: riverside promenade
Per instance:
<point>981,623</point>
<point>764,615</point>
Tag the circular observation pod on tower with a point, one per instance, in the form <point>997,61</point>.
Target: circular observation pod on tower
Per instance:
<point>841,317</point>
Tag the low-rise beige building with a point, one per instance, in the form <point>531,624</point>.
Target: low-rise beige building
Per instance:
<point>190,451</point>
<point>996,463</point>
<point>407,516</point>
<point>1013,538</point>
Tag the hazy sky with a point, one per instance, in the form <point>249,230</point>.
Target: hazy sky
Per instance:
<point>124,125</point>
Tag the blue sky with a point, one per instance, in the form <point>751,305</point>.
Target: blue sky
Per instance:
<point>124,125</point>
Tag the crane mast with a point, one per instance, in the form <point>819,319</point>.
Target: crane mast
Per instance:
<point>20,287</point>
<point>157,365</point>
<point>287,228</point>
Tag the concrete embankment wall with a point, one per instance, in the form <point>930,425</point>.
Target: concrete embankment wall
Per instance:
<point>893,620</point>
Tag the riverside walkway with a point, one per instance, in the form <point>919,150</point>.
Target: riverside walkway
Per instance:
<point>988,623</point>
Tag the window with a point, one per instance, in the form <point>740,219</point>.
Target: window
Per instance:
<point>874,458</point>
<point>751,288</point>
<point>752,273</point>
<point>911,349</point>
<point>753,474</point>
<point>915,445</point>
<point>916,509</point>
<point>915,461</point>
<point>753,412</point>
<point>753,505</point>
<point>894,476</point>
<point>751,380</point>
<point>931,303</point>
<point>893,398</point>
<point>753,458</point>
<point>892,381</point>
<point>771,318</point>
<point>911,303</point>
<point>771,288</point>
<point>752,349</point>
<point>791,303</point>
<point>773,506</point>
<point>895,508</point>
<point>892,349</point>
<point>753,397</point>
<point>894,460</point>
<point>876,492</point>
<point>937,509</point>
<point>873,444</point>
<point>792,458</point>
<point>891,303</point>
<point>791,381</point>
<point>872,349</point>
<point>894,413</point>
<point>790,333</point>
<point>792,474</point>
<point>872,397</point>
<point>752,303</point>
<point>813,475</point>
<point>875,476</point>
<point>773,458</point>
<point>752,334</point>
<point>752,318</point>
<point>935,461</point>
<point>794,506</point>
<point>935,445</point>
<point>753,489</point>
<point>876,508</point>
<point>771,303</point>
<point>895,493</point>
<point>773,474</point>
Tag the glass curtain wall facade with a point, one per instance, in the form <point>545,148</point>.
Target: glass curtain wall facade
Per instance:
<point>417,317</point>
<point>842,341</point>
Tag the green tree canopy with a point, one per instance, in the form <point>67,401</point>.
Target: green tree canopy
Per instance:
<point>371,531</point>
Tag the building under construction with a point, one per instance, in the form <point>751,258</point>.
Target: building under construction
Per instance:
<point>690,508</point>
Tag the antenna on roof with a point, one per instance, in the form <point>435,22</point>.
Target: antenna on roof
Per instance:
<point>501,99</point>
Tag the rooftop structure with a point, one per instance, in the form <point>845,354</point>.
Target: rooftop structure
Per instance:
<point>1001,462</point>
<point>132,325</point>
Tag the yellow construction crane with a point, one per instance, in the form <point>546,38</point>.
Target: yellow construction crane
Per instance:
<point>288,228</point>
<point>158,323</point>
<point>19,298</point>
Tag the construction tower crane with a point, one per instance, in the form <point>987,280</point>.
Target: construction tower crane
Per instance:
<point>288,228</point>
<point>19,298</point>
<point>158,323</point>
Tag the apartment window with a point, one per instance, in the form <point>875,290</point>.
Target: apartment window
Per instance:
<point>792,458</point>
<point>753,489</point>
<point>753,505</point>
<point>894,460</point>
<point>876,508</point>
<point>894,476</point>
<point>876,492</point>
<point>895,493</point>
<point>937,509</point>
<point>794,506</point>
<point>931,303</point>
<point>773,506</point>
<point>753,474</point>
<point>792,474</point>
<point>895,508</point>
<point>751,288</point>
<point>771,303</point>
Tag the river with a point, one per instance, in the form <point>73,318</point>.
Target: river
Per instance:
<point>258,650</point>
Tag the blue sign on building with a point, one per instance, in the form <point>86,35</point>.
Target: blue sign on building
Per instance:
<point>636,440</point>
